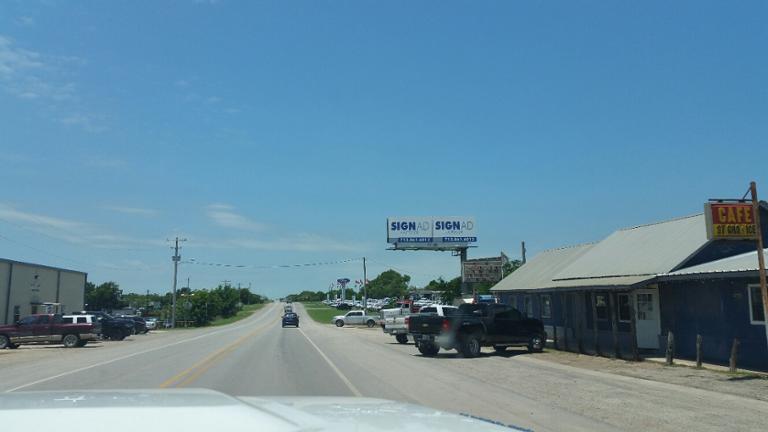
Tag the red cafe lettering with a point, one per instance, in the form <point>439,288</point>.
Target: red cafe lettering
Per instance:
<point>732,214</point>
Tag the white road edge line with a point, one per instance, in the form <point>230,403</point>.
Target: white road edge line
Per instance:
<point>95,365</point>
<point>343,378</point>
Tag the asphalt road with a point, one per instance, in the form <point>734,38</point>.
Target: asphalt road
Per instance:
<point>258,357</point>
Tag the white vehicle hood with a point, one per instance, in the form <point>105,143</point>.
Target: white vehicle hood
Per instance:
<point>207,410</point>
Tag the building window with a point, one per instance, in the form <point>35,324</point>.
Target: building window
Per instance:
<point>624,315</point>
<point>756,312</point>
<point>528,306</point>
<point>601,304</point>
<point>546,306</point>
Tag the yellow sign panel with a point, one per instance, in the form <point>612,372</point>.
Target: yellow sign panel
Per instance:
<point>734,221</point>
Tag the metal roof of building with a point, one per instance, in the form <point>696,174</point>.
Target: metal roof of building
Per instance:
<point>604,282</point>
<point>736,264</point>
<point>641,251</point>
<point>538,272</point>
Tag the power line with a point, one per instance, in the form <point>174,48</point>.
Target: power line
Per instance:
<point>276,266</point>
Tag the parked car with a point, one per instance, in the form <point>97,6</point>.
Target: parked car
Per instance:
<point>45,328</point>
<point>475,326</point>
<point>354,318</point>
<point>151,323</point>
<point>139,325</point>
<point>291,319</point>
<point>111,327</point>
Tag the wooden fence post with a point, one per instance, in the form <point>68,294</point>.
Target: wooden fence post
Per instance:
<point>734,354</point>
<point>698,351</point>
<point>614,326</point>
<point>595,332</point>
<point>670,348</point>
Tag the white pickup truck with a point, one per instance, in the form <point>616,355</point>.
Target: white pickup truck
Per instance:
<point>394,320</point>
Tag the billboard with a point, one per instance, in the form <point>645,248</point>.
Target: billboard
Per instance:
<point>484,269</point>
<point>431,232</point>
<point>730,221</point>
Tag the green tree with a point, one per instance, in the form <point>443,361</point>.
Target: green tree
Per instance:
<point>388,284</point>
<point>107,296</point>
<point>228,298</point>
<point>450,290</point>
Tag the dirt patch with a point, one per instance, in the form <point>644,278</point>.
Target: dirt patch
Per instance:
<point>749,385</point>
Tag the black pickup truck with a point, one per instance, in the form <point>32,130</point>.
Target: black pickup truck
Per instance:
<point>476,326</point>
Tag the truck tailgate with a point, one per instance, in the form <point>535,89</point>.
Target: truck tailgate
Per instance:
<point>426,324</point>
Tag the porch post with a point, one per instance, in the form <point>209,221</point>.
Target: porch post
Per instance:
<point>633,327</point>
<point>614,325</point>
<point>564,302</point>
<point>595,333</point>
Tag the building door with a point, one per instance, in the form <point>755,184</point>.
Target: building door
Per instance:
<point>648,322</point>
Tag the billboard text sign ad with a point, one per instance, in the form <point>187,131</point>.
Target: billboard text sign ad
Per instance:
<point>435,231</point>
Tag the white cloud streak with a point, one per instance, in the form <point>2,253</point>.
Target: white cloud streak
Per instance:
<point>139,211</point>
<point>75,232</point>
<point>225,216</point>
<point>34,77</point>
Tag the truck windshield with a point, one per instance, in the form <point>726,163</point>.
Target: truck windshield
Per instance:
<point>468,309</point>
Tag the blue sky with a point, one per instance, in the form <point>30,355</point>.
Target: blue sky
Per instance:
<point>286,132</point>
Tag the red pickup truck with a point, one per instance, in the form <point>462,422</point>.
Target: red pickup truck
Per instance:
<point>45,328</point>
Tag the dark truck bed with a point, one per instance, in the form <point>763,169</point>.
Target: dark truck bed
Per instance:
<point>45,328</point>
<point>476,326</point>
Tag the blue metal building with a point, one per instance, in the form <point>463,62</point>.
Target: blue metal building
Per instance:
<point>625,293</point>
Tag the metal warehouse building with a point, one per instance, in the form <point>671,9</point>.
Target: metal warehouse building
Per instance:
<point>32,288</point>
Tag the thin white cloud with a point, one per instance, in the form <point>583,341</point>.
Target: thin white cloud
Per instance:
<point>25,21</point>
<point>72,231</point>
<point>87,122</point>
<point>225,216</point>
<point>213,99</point>
<point>103,162</point>
<point>139,211</point>
<point>34,77</point>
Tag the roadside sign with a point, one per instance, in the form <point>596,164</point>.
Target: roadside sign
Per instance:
<point>730,221</point>
<point>484,269</point>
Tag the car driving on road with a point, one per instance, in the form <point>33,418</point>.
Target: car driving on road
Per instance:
<point>291,319</point>
<point>354,318</point>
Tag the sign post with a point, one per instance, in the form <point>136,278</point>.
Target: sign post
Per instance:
<point>760,254</point>
<point>738,219</point>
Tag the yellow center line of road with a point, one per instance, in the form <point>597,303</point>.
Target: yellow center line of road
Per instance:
<point>192,373</point>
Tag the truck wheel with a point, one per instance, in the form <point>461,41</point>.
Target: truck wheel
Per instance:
<point>401,338</point>
<point>428,349</point>
<point>339,323</point>
<point>370,323</point>
<point>536,344</point>
<point>4,342</point>
<point>70,340</point>
<point>499,348</point>
<point>469,345</point>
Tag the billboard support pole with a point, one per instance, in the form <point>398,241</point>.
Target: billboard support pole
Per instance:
<point>462,260</point>
<point>760,255</point>
<point>365,286</point>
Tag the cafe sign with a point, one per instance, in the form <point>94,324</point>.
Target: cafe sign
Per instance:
<point>730,221</point>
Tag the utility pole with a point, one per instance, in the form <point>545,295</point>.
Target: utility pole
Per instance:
<point>760,254</point>
<point>522,246</point>
<point>176,258</point>
<point>365,286</point>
